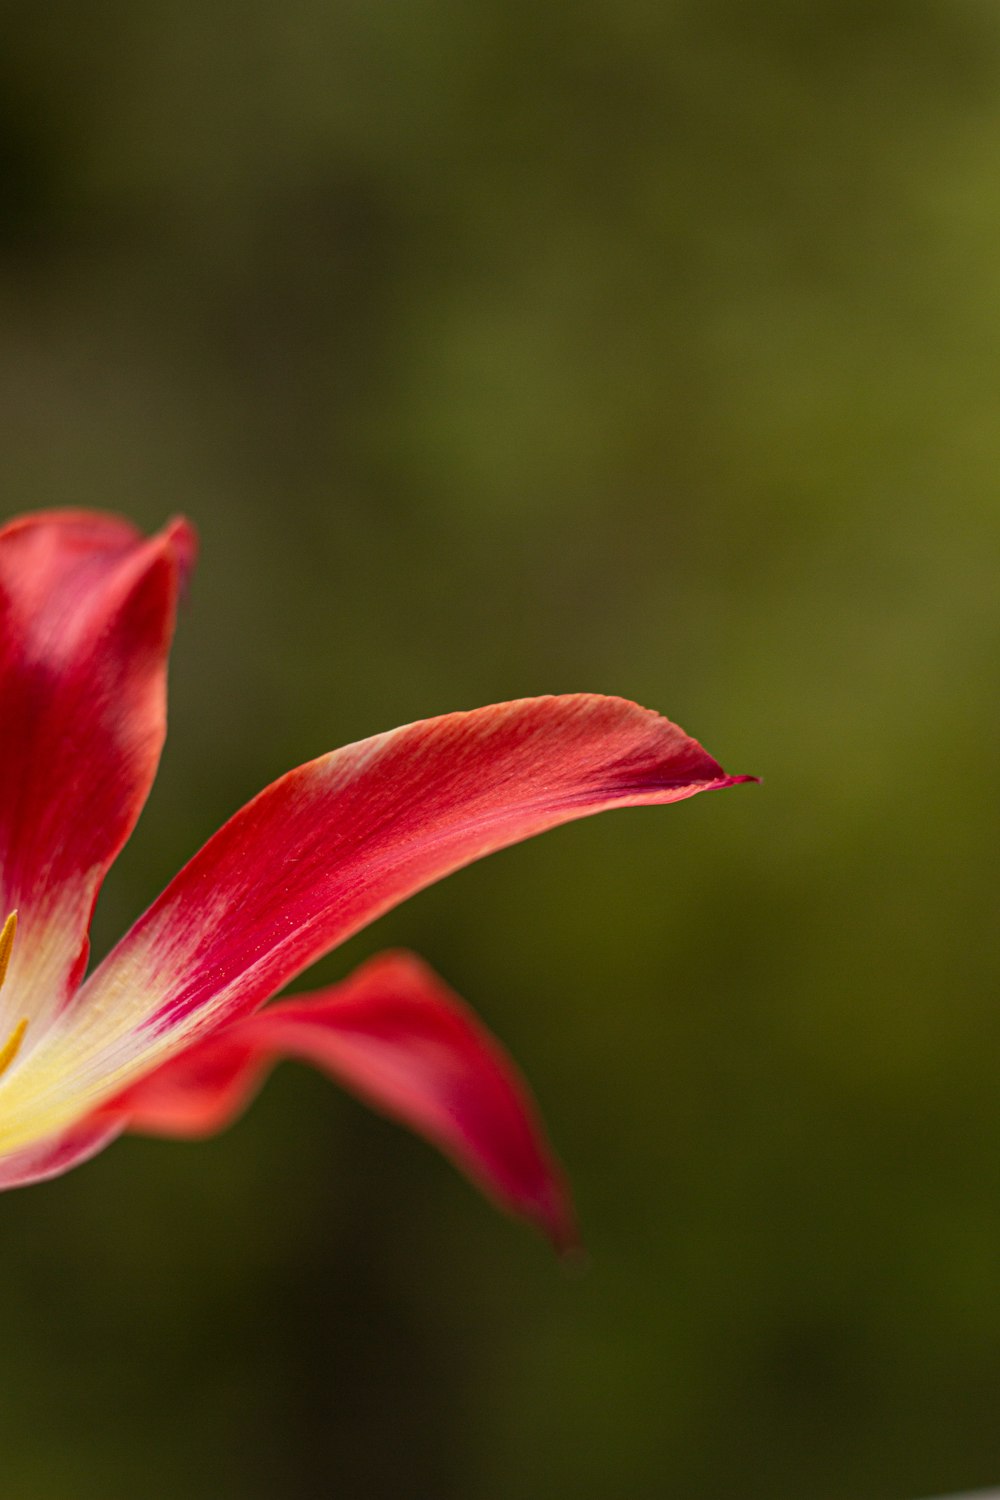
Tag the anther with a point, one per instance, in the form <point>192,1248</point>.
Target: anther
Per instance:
<point>7,944</point>
<point>12,1045</point>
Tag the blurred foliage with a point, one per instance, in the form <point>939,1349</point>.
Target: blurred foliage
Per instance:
<point>498,349</point>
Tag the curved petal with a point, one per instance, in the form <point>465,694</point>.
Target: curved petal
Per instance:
<point>327,849</point>
<point>86,614</point>
<point>57,1154</point>
<point>336,843</point>
<point>394,1034</point>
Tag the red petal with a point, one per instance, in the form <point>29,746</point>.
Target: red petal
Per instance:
<point>334,844</point>
<point>53,1157</point>
<point>86,615</point>
<point>397,1036</point>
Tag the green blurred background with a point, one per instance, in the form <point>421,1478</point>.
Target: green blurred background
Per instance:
<point>503,348</point>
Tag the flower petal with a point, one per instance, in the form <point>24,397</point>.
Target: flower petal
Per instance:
<point>394,1034</point>
<point>327,849</point>
<point>86,614</point>
<point>53,1157</point>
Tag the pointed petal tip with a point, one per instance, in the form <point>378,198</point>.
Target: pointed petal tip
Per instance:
<point>553,1213</point>
<point>88,605</point>
<point>182,538</point>
<point>722,781</point>
<point>106,531</point>
<point>397,1037</point>
<point>173,550</point>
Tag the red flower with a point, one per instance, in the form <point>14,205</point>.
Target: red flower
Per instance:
<point>167,1035</point>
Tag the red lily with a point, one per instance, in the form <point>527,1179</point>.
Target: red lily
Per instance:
<point>167,1036</point>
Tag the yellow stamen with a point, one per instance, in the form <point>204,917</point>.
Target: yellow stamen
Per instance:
<point>7,944</point>
<point>12,1045</point>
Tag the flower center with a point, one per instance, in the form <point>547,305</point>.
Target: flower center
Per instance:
<point>12,1045</point>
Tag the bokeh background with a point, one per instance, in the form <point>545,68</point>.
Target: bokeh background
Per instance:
<point>503,348</point>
